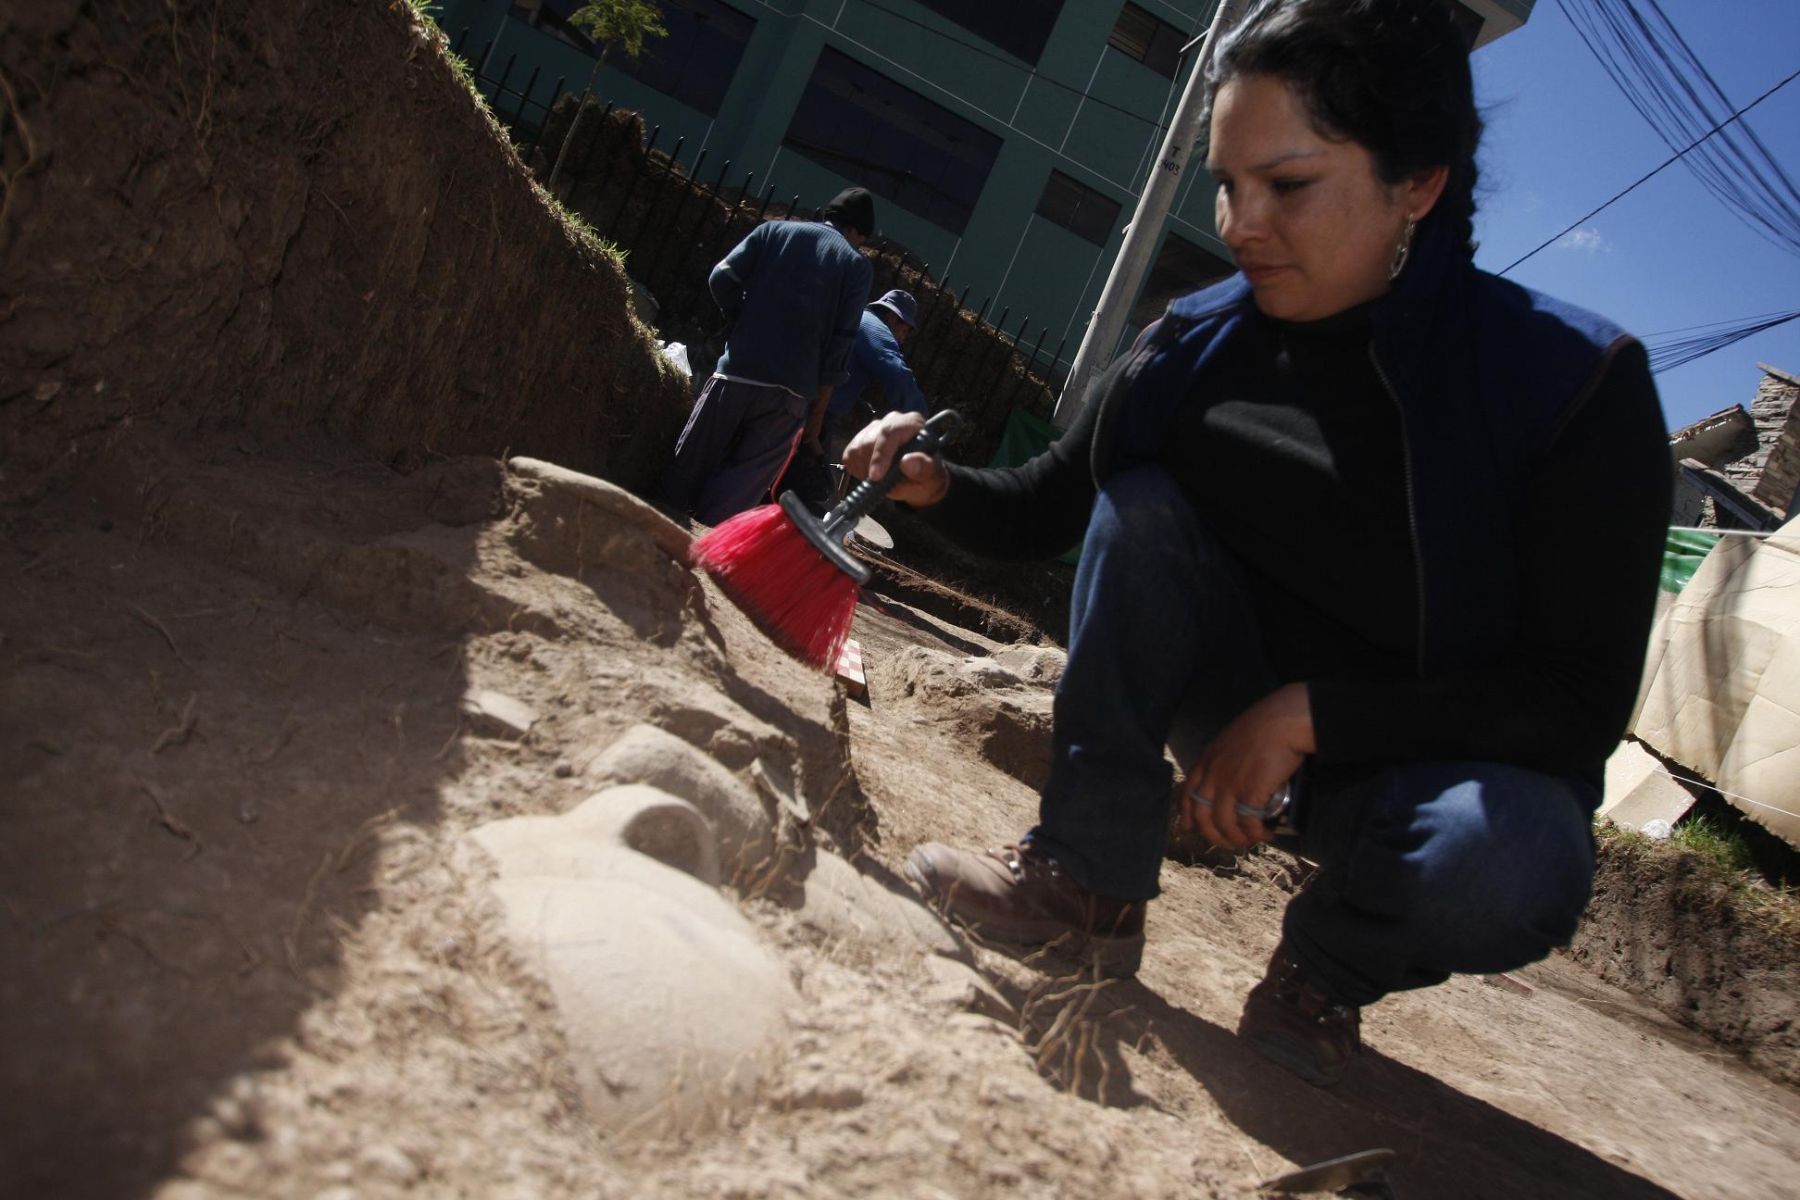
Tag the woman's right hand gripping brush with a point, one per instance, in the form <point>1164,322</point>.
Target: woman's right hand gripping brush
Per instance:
<point>870,455</point>
<point>792,571</point>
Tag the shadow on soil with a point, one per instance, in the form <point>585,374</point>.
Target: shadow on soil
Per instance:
<point>209,745</point>
<point>1449,1144</point>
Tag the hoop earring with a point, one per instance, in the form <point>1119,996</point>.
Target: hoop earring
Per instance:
<point>1404,251</point>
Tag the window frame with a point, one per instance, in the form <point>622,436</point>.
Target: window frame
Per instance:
<point>1161,42</point>
<point>1084,197</point>
<point>988,18</point>
<point>944,190</point>
<point>654,66</point>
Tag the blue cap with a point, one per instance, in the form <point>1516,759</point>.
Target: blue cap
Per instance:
<point>902,305</point>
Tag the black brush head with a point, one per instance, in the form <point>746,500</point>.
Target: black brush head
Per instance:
<point>814,531</point>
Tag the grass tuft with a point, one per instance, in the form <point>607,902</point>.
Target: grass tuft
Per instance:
<point>1706,880</point>
<point>1716,840</point>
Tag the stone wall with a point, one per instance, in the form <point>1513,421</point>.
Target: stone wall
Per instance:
<point>1758,450</point>
<point>1777,412</point>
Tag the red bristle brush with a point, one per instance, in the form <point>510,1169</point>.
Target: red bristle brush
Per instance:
<point>791,571</point>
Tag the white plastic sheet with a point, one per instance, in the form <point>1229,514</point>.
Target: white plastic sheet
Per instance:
<point>1722,691</point>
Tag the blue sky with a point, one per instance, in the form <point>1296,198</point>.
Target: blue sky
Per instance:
<point>1561,139</point>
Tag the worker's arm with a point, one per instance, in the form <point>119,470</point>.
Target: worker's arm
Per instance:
<point>731,276</point>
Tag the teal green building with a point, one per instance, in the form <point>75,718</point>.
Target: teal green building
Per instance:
<point>1005,140</point>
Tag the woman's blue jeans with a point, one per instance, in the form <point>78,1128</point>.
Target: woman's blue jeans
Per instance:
<point>1427,868</point>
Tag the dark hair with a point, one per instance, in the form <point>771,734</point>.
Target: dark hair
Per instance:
<point>1389,75</point>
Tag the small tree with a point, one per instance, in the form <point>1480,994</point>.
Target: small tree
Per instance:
<point>621,23</point>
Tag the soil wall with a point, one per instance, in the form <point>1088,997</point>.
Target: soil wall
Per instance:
<point>1665,926</point>
<point>224,216</point>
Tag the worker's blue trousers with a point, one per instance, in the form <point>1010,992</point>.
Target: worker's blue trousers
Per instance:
<point>1427,868</point>
<point>738,439</point>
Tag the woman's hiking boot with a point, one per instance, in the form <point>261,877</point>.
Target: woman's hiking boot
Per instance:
<point>1292,1022</point>
<point>1021,896</point>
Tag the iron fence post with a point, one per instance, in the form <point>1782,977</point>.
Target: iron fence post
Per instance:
<point>731,218</point>
<point>1006,358</point>
<point>555,94</point>
<point>957,307</point>
<point>690,294</point>
<point>525,98</point>
<point>979,370</point>
<point>1030,363</point>
<point>630,188</point>
<point>500,87</point>
<point>1050,372</point>
<point>662,243</point>
<point>588,153</point>
<point>657,189</point>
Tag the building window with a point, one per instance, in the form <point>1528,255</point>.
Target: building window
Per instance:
<point>1078,208</point>
<point>693,64</point>
<point>862,125</point>
<point>1181,267</point>
<point>1020,27</point>
<point>552,16</point>
<point>696,62</point>
<point>1152,41</point>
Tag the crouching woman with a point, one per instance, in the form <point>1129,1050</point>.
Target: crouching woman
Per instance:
<point>1363,524</point>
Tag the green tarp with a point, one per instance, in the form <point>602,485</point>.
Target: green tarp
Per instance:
<point>1024,438</point>
<point>1682,554</point>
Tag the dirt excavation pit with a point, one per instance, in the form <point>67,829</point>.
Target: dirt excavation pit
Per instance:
<point>253,948</point>
<point>388,814</point>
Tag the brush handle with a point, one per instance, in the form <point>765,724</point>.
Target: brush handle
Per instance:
<point>841,520</point>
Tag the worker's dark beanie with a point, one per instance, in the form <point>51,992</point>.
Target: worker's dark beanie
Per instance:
<point>853,208</point>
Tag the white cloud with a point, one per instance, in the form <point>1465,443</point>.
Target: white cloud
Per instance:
<point>1588,241</point>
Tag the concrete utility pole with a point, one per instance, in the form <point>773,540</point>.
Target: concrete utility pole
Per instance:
<point>1133,263</point>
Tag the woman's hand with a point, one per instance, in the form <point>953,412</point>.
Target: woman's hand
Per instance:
<point>1246,764</point>
<point>870,455</point>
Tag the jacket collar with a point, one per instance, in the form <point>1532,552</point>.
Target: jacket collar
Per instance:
<point>1404,323</point>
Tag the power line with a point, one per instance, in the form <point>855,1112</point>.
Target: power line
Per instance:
<point>1646,56</point>
<point>1671,352</point>
<point>1661,334</point>
<point>1643,179</point>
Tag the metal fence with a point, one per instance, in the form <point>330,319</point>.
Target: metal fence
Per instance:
<point>677,213</point>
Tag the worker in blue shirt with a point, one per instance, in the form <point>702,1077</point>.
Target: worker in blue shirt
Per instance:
<point>876,360</point>
<point>795,291</point>
<point>880,382</point>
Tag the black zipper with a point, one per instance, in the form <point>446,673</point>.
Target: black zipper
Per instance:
<point>1412,510</point>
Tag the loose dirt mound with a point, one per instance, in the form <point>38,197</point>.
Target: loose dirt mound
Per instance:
<point>234,697</point>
